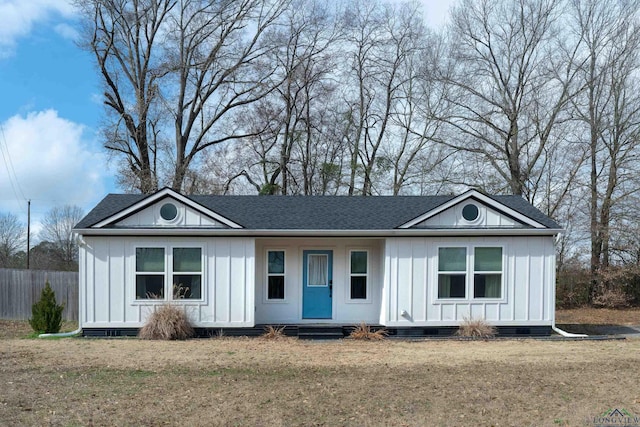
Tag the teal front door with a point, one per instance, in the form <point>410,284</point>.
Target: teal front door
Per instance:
<point>317,286</point>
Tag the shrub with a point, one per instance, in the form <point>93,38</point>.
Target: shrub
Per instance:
<point>47,314</point>
<point>476,328</point>
<point>619,287</point>
<point>364,332</point>
<point>167,322</point>
<point>273,333</point>
<point>611,298</point>
<point>572,287</point>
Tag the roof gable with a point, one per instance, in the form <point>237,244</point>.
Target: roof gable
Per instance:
<point>146,212</point>
<point>177,214</point>
<point>491,213</point>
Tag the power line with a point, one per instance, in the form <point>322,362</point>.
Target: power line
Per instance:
<point>6,145</point>
<point>9,166</point>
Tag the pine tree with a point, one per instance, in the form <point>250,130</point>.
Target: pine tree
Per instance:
<point>47,314</point>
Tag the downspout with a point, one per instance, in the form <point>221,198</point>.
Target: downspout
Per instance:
<point>81,243</point>
<point>565,333</point>
<point>61,334</point>
<point>553,302</point>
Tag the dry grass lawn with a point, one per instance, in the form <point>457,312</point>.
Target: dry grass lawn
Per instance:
<point>599,316</point>
<point>226,381</point>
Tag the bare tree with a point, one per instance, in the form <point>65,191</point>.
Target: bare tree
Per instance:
<point>217,66</point>
<point>362,89</point>
<point>370,86</point>
<point>379,39</point>
<point>511,86</point>
<point>186,64</point>
<point>57,229</point>
<point>415,149</point>
<point>285,130</point>
<point>125,38</point>
<point>13,236</point>
<point>305,62</point>
<point>610,113</point>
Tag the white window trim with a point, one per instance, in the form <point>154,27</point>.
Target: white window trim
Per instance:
<point>172,273</point>
<point>155,273</point>
<point>481,213</point>
<point>168,276</point>
<point>469,275</point>
<point>348,298</point>
<point>266,298</point>
<point>179,213</point>
<point>501,272</point>
<point>466,274</point>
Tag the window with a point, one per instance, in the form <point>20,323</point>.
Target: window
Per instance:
<point>149,273</point>
<point>185,274</point>
<point>485,271</point>
<point>275,275</point>
<point>318,270</point>
<point>470,212</point>
<point>452,272</point>
<point>358,274</point>
<point>168,212</point>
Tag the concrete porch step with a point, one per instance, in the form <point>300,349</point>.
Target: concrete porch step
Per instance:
<point>320,332</point>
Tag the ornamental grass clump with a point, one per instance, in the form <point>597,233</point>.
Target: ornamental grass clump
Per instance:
<point>167,322</point>
<point>273,333</point>
<point>476,328</point>
<point>46,313</point>
<point>365,333</point>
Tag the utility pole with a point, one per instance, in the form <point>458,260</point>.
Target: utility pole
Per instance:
<point>28,229</point>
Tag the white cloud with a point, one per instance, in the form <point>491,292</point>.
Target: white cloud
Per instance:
<point>53,163</point>
<point>97,98</point>
<point>18,17</point>
<point>67,31</point>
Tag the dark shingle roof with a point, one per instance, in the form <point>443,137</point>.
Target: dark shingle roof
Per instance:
<point>314,212</point>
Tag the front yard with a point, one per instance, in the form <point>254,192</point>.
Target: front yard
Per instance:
<point>226,381</point>
<point>599,316</point>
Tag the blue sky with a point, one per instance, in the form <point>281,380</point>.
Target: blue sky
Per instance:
<point>51,107</point>
<point>49,112</point>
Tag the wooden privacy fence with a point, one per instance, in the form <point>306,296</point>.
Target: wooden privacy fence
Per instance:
<point>20,289</point>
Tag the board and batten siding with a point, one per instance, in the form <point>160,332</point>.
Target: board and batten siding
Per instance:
<point>107,282</point>
<point>411,283</point>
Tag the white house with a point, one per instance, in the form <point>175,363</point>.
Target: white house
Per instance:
<point>416,265</point>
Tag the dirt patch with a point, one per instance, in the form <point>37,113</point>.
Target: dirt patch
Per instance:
<point>599,316</point>
<point>235,381</point>
<point>22,329</point>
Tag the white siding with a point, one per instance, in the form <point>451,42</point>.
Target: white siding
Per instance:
<point>410,283</point>
<point>402,282</point>
<point>344,310</point>
<point>107,282</point>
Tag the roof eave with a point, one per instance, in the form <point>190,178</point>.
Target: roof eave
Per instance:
<point>443,232</point>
